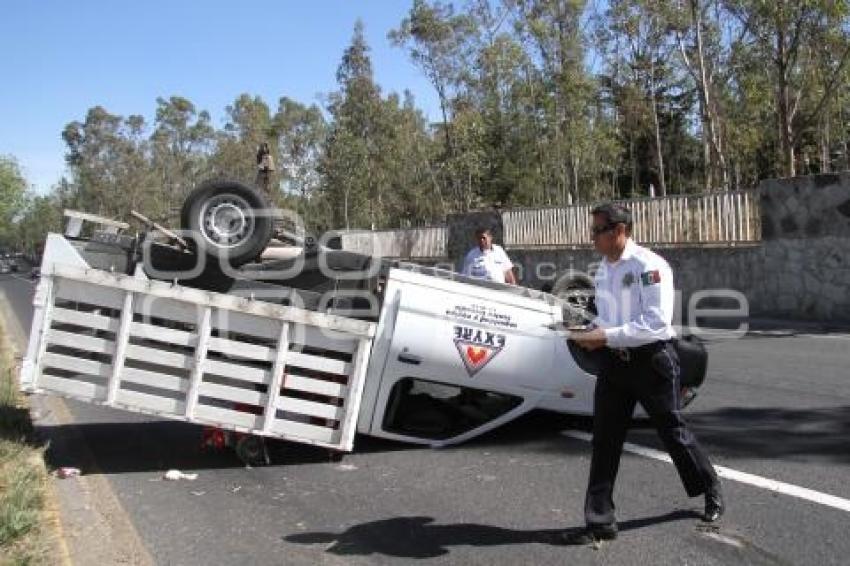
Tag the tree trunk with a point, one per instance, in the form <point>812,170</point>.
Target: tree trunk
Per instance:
<point>785,130</point>
<point>706,154</point>
<point>825,166</point>
<point>565,185</point>
<point>345,210</point>
<point>844,141</point>
<point>786,134</point>
<point>574,167</point>
<point>712,142</point>
<point>634,166</point>
<point>737,167</point>
<point>659,154</point>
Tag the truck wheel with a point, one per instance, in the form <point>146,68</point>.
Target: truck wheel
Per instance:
<point>577,290</point>
<point>231,219</point>
<point>251,450</point>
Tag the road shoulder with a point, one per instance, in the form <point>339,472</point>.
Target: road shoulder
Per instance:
<point>91,525</point>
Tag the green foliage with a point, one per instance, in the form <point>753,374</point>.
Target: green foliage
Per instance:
<point>801,49</point>
<point>12,198</point>
<point>41,215</point>
<point>375,165</point>
<point>541,102</point>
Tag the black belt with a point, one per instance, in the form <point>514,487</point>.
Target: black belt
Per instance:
<point>628,354</point>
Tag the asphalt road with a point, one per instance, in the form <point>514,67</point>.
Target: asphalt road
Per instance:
<point>774,405</point>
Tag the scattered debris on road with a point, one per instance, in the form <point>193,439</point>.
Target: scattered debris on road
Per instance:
<point>174,475</point>
<point>64,473</point>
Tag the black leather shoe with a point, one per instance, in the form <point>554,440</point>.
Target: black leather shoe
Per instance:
<point>589,535</point>
<point>713,505</point>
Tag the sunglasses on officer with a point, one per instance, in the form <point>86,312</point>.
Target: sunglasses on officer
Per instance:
<point>597,230</point>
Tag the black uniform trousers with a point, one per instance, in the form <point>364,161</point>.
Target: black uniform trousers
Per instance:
<point>648,375</point>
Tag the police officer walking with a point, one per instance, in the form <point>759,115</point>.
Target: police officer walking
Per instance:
<point>634,334</point>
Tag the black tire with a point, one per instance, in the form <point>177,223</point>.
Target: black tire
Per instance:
<point>251,451</point>
<point>169,264</point>
<point>224,215</point>
<point>577,290</point>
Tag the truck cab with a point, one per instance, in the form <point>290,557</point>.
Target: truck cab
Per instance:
<point>456,357</point>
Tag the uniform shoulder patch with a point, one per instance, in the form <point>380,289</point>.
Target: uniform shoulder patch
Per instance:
<point>650,277</point>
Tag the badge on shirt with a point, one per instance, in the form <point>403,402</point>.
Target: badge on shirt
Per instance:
<point>650,277</point>
<point>628,279</point>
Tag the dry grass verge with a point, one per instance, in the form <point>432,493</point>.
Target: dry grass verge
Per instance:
<point>23,476</point>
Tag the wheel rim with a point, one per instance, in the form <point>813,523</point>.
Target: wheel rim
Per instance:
<point>226,220</point>
<point>579,298</point>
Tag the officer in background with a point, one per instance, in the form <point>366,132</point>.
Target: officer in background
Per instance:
<point>488,260</point>
<point>634,334</point>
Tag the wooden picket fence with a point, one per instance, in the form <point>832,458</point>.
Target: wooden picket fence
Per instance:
<point>721,218</point>
<point>718,218</point>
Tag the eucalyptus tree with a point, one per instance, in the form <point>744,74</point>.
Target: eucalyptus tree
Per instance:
<point>699,36</point>
<point>248,124</point>
<point>109,161</point>
<point>349,162</point>
<point>440,42</point>
<point>804,47</point>
<point>635,36</point>
<point>13,189</point>
<point>181,143</point>
<point>301,132</point>
<point>574,124</point>
<point>40,214</point>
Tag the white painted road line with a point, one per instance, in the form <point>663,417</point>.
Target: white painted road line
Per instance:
<point>826,336</point>
<point>734,475</point>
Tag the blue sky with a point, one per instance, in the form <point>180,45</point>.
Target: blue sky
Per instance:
<point>59,58</point>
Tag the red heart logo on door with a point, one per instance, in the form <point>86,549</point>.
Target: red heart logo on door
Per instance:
<point>475,355</point>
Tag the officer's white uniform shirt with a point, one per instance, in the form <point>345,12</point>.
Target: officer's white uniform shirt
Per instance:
<point>635,298</point>
<point>488,264</point>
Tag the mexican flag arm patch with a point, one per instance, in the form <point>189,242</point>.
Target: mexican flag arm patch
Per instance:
<point>650,277</point>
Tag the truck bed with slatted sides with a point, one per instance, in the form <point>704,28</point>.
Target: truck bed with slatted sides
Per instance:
<point>196,356</point>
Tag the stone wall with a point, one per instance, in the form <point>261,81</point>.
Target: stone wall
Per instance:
<point>800,270</point>
<point>806,238</point>
<point>805,207</point>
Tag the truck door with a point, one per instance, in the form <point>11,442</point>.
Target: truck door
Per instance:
<point>462,359</point>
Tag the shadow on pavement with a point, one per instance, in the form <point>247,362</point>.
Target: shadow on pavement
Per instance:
<point>159,445</point>
<point>776,432</point>
<point>122,447</point>
<point>761,432</point>
<point>418,537</point>
<point>114,448</point>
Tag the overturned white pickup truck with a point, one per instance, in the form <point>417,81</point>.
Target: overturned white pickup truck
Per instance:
<point>313,348</point>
